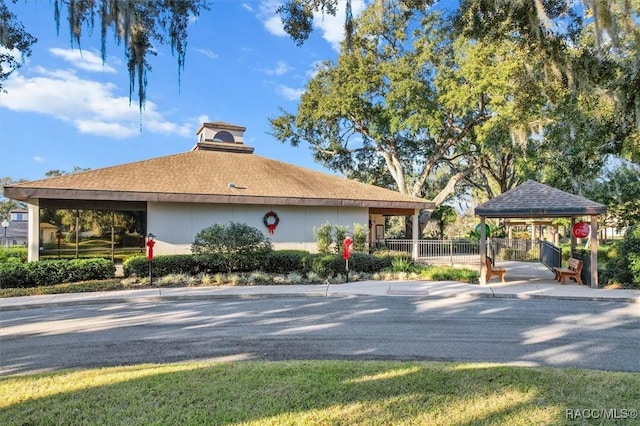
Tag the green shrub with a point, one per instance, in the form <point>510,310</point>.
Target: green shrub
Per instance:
<point>286,261</point>
<point>332,265</point>
<point>329,238</point>
<point>363,262</point>
<point>239,246</point>
<point>13,255</point>
<point>448,273</point>
<point>384,258</point>
<point>324,237</point>
<point>400,264</point>
<point>327,265</point>
<point>625,268</point>
<point>15,275</point>
<point>360,232</point>
<point>49,272</point>
<point>132,265</point>
<point>173,264</point>
<point>340,234</point>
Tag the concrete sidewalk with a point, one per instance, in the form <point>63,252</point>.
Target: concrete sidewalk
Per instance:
<point>514,288</point>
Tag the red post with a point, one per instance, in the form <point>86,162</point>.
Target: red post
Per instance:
<point>346,248</point>
<point>150,245</point>
<point>346,253</point>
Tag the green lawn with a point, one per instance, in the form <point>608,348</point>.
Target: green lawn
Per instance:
<point>91,247</point>
<point>317,392</point>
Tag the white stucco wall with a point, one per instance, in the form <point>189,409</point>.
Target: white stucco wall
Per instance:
<point>175,225</point>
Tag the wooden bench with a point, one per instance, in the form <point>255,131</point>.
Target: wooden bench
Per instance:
<point>492,270</point>
<point>572,271</point>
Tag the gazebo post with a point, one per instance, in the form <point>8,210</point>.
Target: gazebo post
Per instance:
<point>483,251</point>
<point>415,231</point>
<point>594,251</point>
<point>573,238</point>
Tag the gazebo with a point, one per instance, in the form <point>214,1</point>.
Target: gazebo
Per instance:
<point>535,200</point>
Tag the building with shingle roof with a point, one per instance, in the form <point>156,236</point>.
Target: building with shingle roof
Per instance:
<point>220,180</point>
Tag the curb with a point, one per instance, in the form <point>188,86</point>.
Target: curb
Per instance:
<point>422,294</point>
<point>584,298</point>
<point>154,299</point>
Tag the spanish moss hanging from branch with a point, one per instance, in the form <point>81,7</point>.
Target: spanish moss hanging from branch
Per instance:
<point>139,25</point>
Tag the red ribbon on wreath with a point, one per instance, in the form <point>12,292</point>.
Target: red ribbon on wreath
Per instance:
<point>271,225</point>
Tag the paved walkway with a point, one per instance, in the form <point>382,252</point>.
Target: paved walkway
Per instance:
<point>523,281</point>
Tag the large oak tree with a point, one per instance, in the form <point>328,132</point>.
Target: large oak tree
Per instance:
<point>415,106</point>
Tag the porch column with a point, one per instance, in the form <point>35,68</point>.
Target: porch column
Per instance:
<point>415,231</point>
<point>33,231</point>
<point>483,252</point>
<point>594,251</point>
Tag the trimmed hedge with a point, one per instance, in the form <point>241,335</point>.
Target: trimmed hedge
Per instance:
<point>13,255</point>
<point>173,264</point>
<point>277,262</point>
<point>50,272</point>
<point>331,265</point>
<point>286,261</point>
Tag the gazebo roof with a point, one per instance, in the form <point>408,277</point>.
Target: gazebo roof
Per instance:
<point>533,199</point>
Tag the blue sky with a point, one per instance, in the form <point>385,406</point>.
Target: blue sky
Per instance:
<point>65,108</point>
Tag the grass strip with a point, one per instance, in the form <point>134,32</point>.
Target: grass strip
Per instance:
<point>78,287</point>
<point>318,392</point>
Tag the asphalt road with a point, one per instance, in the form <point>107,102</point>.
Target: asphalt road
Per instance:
<point>582,334</point>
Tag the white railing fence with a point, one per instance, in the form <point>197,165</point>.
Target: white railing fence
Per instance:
<point>464,251</point>
<point>439,251</point>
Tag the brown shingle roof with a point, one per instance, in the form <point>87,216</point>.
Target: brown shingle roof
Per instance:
<point>204,176</point>
<point>534,199</point>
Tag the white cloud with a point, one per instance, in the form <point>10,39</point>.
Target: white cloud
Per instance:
<point>202,119</point>
<point>274,26</point>
<point>331,27</point>
<point>85,60</point>
<point>92,107</point>
<point>208,53</point>
<point>272,22</point>
<point>280,69</point>
<point>14,54</point>
<point>313,71</point>
<point>39,159</point>
<point>247,7</point>
<point>290,93</point>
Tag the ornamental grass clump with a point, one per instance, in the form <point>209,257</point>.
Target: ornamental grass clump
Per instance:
<point>258,278</point>
<point>294,278</point>
<point>314,278</point>
<point>205,279</point>
<point>234,279</point>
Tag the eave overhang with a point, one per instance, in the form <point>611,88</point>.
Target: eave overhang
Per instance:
<point>25,194</point>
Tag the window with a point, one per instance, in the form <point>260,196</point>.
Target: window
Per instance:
<point>223,136</point>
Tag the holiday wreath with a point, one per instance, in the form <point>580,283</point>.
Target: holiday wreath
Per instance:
<point>271,221</point>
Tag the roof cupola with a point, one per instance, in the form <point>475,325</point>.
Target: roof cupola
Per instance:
<point>220,136</point>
